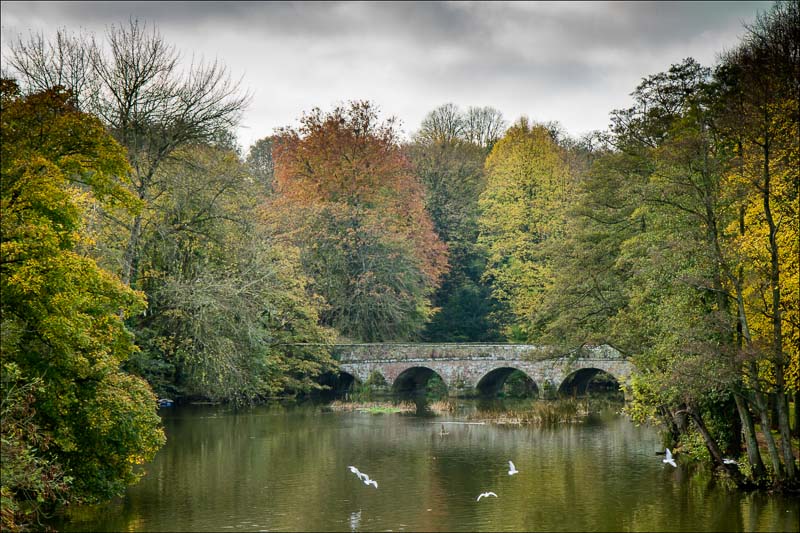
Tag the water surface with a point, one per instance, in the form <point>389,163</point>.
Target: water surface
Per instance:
<point>284,468</point>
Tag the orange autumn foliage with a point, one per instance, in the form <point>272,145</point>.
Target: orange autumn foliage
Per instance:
<point>346,159</point>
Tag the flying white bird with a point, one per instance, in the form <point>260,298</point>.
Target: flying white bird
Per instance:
<point>361,475</point>
<point>369,481</point>
<point>729,462</point>
<point>486,494</point>
<point>512,469</point>
<point>669,459</point>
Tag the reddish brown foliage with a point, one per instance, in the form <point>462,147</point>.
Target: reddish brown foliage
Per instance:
<point>347,158</point>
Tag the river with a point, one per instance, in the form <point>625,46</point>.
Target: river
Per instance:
<point>285,468</point>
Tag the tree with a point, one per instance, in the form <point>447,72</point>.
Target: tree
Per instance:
<point>453,176</point>
<point>761,80</point>
<point>345,188</point>
<point>670,218</point>
<point>481,126</point>
<point>196,241</point>
<point>226,302</point>
<point>63,336</point>
<point>444,124</point>
<point>588,287</point>
<point>522,207</point>
<point>261,162</point>
<point>150,103</point>
<point>675,313</point>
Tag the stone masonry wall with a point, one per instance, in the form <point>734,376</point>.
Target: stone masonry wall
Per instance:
<point>462,366</point>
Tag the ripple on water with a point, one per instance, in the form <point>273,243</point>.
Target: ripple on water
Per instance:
<point>212,476</point>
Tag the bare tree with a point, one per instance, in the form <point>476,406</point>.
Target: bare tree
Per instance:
<point>40,64</point>
<point>483,126</point>
<point>137,85</point>
<point>443,124</point>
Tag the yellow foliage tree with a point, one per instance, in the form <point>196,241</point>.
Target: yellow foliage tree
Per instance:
<point>522,208</point>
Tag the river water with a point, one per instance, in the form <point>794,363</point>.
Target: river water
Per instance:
<point>285,468</point>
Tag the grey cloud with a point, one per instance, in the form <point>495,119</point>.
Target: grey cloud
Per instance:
<point>528,57</point>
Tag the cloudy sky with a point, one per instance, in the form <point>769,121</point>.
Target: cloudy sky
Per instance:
<point>568,61</point>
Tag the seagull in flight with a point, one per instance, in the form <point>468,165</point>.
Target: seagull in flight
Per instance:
<point>361,475</point>
<point>669,459</point>
<point>512,469</point>
<point>486,494</point>
<point>729,462</point>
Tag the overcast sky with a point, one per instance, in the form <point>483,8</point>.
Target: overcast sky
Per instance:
<point>572,62</point>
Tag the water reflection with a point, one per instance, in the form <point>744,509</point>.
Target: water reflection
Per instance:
<point>285,468</point>
<point>355,520</point>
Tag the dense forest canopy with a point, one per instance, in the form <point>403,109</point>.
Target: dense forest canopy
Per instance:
<point>144,255</point>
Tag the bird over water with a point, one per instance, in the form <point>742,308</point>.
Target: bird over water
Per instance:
<point>669,460</point>
<point>363,477</point>
<point>512,469</point>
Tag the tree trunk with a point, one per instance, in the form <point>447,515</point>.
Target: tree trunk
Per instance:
<point>753,452</point>
<point>786,437</point>
<point>777,323</point>
<point>763,412</point>
<point>735,445</point>
<point>713,448</point>
<point>760,402</point>
<point>772,400</point>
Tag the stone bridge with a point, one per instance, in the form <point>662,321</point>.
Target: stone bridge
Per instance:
<point>469,369</point>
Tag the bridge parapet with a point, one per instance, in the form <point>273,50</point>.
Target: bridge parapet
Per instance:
<point>397,352</point>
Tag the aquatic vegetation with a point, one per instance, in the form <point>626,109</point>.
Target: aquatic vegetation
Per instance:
<point>442,407</point>
<point>374,407</point>
<point>543,413</point>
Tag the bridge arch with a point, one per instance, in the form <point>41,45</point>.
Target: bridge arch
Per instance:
<point>589,379</point>
<point>493,382</point>
<point>341,381</point>
<point>415,379</point>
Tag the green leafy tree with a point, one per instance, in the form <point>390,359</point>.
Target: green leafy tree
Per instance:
<point>588,287</point>
<point>666,226</point>
<point>63,336</point>
<point>226,301</point>
<point>673,313</point>
<point>261,163</point>
<point>453,176</point>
